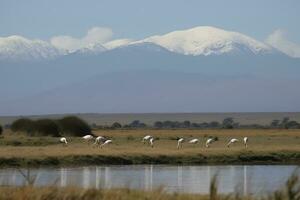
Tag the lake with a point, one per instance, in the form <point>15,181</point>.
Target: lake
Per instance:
<point>252,179</point>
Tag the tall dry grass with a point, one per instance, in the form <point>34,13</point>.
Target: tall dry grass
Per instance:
<point>291,191</point>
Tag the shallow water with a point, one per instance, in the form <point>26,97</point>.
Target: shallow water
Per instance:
<point>244,179</point>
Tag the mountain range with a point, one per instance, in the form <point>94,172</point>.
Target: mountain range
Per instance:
<point>194,70</point>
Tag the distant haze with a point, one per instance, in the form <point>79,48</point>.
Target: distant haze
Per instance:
<point>150,118</point>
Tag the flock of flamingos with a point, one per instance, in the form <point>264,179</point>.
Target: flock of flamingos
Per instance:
<point>102,141</point>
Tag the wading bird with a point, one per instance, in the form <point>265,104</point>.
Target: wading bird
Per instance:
<point>179,143</point>
<point>194,141</point>
<point>209,141</point>
<point>99,140</point>
<point>151,141</point>
<point>146,138</point>
<point>246,142</point>
<point>63,140</point>
<point>233,140</point>
<point>88,137</point>
<point>106,143</point>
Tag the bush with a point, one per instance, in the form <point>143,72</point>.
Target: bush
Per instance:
<point>73,126</point>
<point>1,129</point>
<point>23,125</point>
<point>228,123</point>
<point>158,124</point>
<point>46,127</point>
<point>116,125</point>
<point>41,127</point>
<point>137,124</point>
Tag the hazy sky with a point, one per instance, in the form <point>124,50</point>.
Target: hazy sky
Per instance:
<point>139,18</point>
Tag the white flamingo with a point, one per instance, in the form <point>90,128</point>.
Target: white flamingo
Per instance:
<point>106,143</point>
<point>99,139</point>
<point>151,141</point>
<point>179,143</point>
<point>88,138</point>
<point>233,140</point>
<point>146,138</point>
<point>194,141</point>
<point>63,140</point>
<point>246,142</point>
<point>209,141</point>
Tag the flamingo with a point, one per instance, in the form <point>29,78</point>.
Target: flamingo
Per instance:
<point>151,142</point>
<point>179,143</point>
<point>88,138</point>
<point>63,140</point>
<point>106,143</point>
<point>245,141</point>
<point>233,140</point>
<point>209,141</point>
<point>147,137</point>
<point>194,141</point>
<point>99,139</point>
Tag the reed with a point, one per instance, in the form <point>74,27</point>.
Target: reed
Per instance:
<point>291,191</point>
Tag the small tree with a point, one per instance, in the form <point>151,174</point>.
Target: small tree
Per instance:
<point>46,127</point>
<point>228,123</point>
<point>116,125</point>
<point>186,124</point>
<point>23,125</point>
<point>284,122</point>
<point>73,126</point>
<point>214,124</point>
<point>158,124</point>
<point>275,123</point>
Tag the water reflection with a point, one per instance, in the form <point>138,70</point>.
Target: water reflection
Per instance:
<point>190,179</point>
<point>63,177</point>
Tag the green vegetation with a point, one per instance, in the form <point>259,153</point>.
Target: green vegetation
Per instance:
<point>227,123</point>
<point>67,126</point>
<point>268,146</point>
<point>121,159</point>
<point>73,126</point>
<point>290,191</point>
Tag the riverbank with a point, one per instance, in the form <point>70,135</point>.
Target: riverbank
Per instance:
<point>265,147</point>
<point>249,158</point>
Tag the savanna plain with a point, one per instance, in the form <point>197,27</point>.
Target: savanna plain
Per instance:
<point>269,146</point>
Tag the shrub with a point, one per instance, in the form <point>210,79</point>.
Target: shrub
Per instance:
<point>116,125</point>
<point>137,124</point>
<point>23,125</point>
<point>228,123</point>
<point>41,127</point>
<point>1,129</point>
<point>73,126</point>
<point>158,124</point>
<point>186,124</point>
<point>46,127</point>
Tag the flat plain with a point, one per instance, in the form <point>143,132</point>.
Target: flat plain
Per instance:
<point>265,146</point>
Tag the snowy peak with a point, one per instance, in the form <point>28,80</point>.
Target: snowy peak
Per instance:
<point>206,40</point>
<point>92,49</point>
<point>19,48</point>
<point>202,40</point>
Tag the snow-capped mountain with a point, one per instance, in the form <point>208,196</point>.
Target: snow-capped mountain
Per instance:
<point>200,69</point>
<point>206,40</point>
<point>198,41</point>
<point>92,49</point>
<point>19,48</point>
